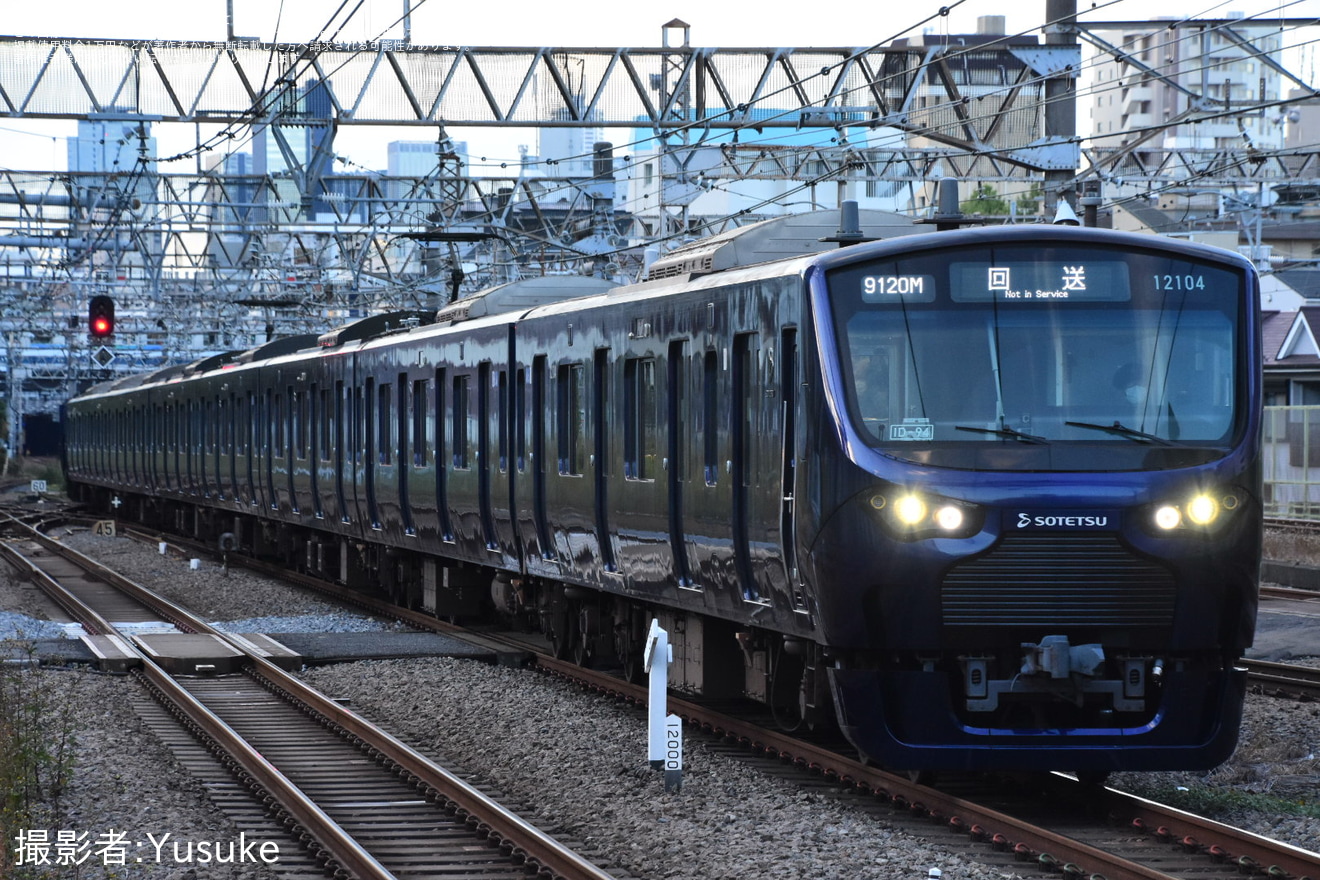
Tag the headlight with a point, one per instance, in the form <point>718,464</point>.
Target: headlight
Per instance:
<point>910,510</point>
<point>1201,512</point>
<point>912,515</point>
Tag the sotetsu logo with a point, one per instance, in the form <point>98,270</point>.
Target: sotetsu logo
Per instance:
<point>1062,521</point>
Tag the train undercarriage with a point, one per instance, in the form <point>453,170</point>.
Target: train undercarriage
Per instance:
<point>713,658</point>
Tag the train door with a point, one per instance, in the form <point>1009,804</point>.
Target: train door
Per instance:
<point>402,462</point>
<point>167,448</point>
<point>197,447</point>
<point>707,509</point>
<point>342,453</point>
<point>540,461</point>
<point>442,454</point>
<point>420,504</point>
<point>295,448</point>
<point>644,497</point>
<point>677,457</point>
<point>485,412</point>
<point>323,467</point>
<point>271,431</point>
<point>757,435</point>
<point>568,500</point>
<point>188,447</point>
<point>463,486</point>
<point>368,424</point>
<point>788,383</point>
<point>214,413</point>
<point>252,448</point>
<point>228,448</point>
<point>315,402</point>
<point>176,447</point>
<point>601,455</point>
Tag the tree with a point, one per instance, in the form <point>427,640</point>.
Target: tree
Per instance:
<point>1029,202</point>
<point>985,200</point>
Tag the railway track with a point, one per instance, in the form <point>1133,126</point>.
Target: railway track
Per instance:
<point>1283,679</point>
<point>365,805</point>
<point>1104,833</point>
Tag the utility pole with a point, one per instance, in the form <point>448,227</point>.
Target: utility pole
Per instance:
<point>1060,102</point>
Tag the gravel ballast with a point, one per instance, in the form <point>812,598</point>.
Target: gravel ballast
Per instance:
<point>580,759</point>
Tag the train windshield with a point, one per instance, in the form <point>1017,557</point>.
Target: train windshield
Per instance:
<point>1043,358</point>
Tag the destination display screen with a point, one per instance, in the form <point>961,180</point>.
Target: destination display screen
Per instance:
<point>1021,277</point>
<point>1040,281</point>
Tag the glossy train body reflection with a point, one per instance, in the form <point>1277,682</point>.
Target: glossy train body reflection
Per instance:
<point>988,498</point>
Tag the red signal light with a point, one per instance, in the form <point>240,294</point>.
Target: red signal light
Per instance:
<point>101,317</point>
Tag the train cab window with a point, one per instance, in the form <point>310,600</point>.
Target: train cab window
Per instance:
<point>1071,358</point>
<point>571,415</point>
<point>640,425</point>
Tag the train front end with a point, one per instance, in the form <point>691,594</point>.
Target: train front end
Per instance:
<point>1038,516</point>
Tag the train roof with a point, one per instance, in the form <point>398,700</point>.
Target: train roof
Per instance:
<point>521,295</point>
<point>374,326</point>
<point>779,238</point>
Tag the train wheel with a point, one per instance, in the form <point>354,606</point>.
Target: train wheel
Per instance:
<point>629,641</point>
<point>582,653</point>
<point>558,624</point>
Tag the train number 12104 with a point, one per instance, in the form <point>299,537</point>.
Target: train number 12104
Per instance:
<point>1179,282</point>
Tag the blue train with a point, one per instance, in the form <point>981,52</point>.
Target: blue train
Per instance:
<point>988,498</point>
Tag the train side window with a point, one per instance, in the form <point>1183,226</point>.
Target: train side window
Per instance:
<point>421,442</point>
<point>710,382</point>
<point>462,402</point>
<point>572,417</point>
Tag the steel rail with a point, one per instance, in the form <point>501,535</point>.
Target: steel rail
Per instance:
<point>333,840</point>
<point>523,838</point>
<point>1302,682</point>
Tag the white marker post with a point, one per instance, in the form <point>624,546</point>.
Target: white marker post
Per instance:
<point>656,658</point>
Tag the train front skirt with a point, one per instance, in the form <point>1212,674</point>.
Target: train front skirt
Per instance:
<point>1196,727</point>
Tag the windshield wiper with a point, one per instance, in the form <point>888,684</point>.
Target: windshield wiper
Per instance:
<point>1011,433</point>
<point>1124,431</point>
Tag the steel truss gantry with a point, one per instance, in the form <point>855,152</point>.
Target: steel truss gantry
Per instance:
<point>926,91</point>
